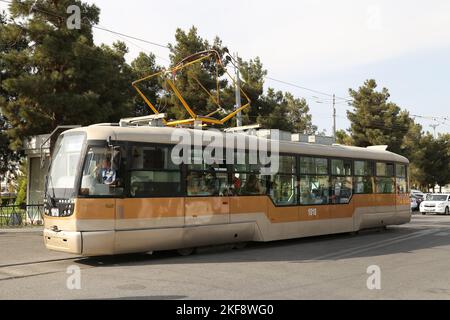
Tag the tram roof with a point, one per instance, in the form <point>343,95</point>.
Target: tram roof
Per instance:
<point>163,135</point>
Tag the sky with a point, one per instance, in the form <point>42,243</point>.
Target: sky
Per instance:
<point>325,45</point>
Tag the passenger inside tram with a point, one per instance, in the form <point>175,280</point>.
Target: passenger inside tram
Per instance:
<point>252,185</point>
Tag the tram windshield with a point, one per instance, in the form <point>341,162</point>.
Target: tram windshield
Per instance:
<point>64,167</point>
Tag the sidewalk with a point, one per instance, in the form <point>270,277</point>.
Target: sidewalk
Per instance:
<point>26,229</point>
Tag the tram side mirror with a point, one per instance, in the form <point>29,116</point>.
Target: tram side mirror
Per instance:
<point>109,142</point>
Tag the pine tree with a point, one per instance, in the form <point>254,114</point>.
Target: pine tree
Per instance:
<point>9,159</point>
<point>187,79</point>
<point>252,74</point>
<point>60,76</point>
<point>375,120</point>
<point>284,112</point>
<point>342,137</point>
<point>143,66</point>
<point>432,161</point>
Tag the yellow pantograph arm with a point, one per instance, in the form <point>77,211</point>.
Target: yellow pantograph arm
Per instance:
<point>206,119</point>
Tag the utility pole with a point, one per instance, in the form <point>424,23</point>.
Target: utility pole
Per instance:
<point>334,116</point>
<point>434,129</point>
<point>238,92</point>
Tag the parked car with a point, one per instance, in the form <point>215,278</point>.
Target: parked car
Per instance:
<point>436,203</point>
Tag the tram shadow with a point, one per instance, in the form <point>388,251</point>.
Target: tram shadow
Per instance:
<point>366,243</point>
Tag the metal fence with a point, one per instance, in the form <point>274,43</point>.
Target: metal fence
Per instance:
<point>18,216</point>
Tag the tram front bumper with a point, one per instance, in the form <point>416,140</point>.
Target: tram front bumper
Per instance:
<point>65,241</point>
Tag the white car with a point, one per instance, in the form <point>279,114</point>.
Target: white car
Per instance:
<point>436,203</point>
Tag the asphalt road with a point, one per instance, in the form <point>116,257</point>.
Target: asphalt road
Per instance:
<point>413,260</point>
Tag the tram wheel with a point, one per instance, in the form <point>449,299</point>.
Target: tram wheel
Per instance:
<point>186,251</point>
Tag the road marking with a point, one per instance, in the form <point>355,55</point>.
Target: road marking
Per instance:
<point>374,245</point>
<point>415,235</point>
<point>443,234</point>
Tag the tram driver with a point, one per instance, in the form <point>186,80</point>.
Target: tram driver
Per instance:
<point>108,174</point>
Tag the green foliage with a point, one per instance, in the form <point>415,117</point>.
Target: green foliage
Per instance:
<point>342,137</point>
<point>375,120</point>
<point>143,66</point>
<point>22,185</point>
<point>252,74</point>
<point>432,161</point>
<point>283,111</point>
<point>186,44</point>
<point>60,76</point>
<point>8,158</point>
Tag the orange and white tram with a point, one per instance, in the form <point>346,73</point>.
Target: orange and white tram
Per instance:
<point>115,189</point>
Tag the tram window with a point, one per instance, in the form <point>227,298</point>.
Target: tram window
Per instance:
<point>148,157</point>
<point>249,184</point>
<point>283,189</point>
<point>103,172</point>
<point>363,185</point>
<point>400,172</point>
<point>287,164</point>
<point>314,189</point>
<point>363,168</point>
<point>402,186</point>
<point>341,189</point>
<point>154,183</point>
<point>384,185</point>
<point>207,183</point>
<point>381,169</point>
<point>390,170</point>
<point>341,167</point>
<point>385,169</point>
<point>309,165</point>
<point>153,174</point>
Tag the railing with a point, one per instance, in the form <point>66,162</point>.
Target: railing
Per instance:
<point>21,215</point>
